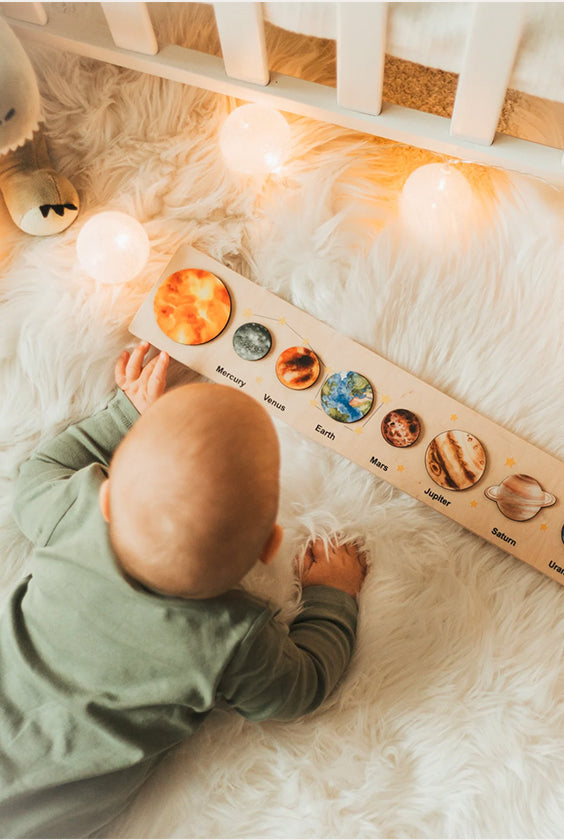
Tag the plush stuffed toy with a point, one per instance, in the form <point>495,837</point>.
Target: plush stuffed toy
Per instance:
<point>40,200</point>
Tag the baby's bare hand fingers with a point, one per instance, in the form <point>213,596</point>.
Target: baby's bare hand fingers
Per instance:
<point>156,382</point>
<point>318,550</point>
<point>343,554</point>
<point>363,560</point>
<point>147,371</point>
<point>119,369</point>
<point>135,363</point>
<point>303,561</point>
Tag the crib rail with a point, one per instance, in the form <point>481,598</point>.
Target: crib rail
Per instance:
<point>123,35</point>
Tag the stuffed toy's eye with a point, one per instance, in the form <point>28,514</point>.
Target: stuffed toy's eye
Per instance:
<point>10,114</point>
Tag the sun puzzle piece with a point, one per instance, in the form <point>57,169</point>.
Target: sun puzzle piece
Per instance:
<point>192,306</point>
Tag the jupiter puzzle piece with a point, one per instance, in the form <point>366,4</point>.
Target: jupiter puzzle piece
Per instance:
<point>341,394</point>
<point>455,460</point>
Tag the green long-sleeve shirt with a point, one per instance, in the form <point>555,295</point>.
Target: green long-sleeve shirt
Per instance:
<point>99,677</point>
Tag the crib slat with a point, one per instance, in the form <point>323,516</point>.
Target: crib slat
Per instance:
<point>131,27</point>
<point>241,33</point>
<point>361,49</point>
<point>30,12</point>
<point>490,53</point>
<point>78,33</point>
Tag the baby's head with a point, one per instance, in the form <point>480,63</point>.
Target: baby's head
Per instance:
<point>192,494</point>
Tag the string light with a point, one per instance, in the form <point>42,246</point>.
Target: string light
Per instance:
<point>255,140</point>
<point>436,202</point>
<point>112,247</point>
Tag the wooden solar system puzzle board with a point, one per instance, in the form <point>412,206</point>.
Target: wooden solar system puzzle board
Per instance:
<point>345,396</point>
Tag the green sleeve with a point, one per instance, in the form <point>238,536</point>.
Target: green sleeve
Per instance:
<point>44,489</point>
<point>281,673</point>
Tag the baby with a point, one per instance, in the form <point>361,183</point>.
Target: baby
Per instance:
<point>132,625</point>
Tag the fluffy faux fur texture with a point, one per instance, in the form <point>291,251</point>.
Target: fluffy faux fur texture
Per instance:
<point>450,720</point>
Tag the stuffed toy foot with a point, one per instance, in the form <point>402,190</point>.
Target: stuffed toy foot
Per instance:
<point>40,200</point>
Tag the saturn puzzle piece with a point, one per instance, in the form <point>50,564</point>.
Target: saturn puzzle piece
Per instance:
<point>519,497</point>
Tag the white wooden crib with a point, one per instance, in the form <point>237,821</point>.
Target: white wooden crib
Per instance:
<point>498,39</point>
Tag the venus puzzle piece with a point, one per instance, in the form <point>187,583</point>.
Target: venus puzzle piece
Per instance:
<point>298,368</point>
<point>453,463</point>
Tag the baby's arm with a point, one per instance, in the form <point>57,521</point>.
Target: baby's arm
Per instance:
<point>283,674</point>
<point>45,490</point>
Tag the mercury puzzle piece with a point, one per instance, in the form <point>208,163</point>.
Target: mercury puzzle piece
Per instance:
<point>252,341</point>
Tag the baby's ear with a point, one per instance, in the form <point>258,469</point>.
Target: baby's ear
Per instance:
<point>272,545</point>
<point>104,499</point>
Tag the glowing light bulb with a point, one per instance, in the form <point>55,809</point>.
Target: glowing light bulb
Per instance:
<point>255,140</point>
<point>112,247</point>
<point>436,202</point>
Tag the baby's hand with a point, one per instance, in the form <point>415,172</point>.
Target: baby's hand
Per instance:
<point>340,566</point>
<point>143,385</point>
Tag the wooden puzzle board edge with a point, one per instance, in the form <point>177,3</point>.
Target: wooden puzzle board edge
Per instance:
<point>537,541</point>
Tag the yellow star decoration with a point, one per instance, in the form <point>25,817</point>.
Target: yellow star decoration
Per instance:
<point>386,399</point>
<point>473,503</point>
<point>401,468</point>
<point>312,403</point>
<point>282,321</point>
<point>544,526</point>
<point>454,417</point>
<point>247,313</point>
<point>358,430</point>
<point>259,379</point>
<point>510,462</point>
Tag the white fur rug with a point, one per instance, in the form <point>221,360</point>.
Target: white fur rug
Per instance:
<point>450,721</point>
